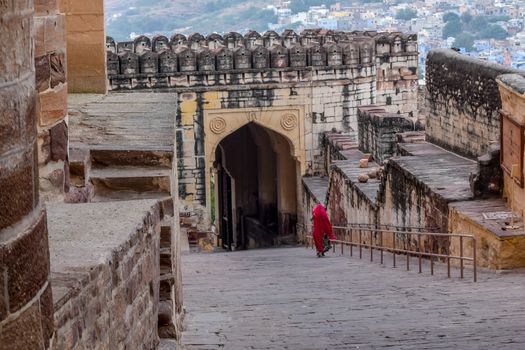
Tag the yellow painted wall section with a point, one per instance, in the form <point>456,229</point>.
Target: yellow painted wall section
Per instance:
<point>513,103</point>
<point>492,251</point>
<point>188,111</point>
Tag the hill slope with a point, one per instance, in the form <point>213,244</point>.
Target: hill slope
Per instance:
<point>124,17</point>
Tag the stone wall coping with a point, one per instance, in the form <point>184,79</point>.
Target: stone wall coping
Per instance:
<point>85,237</point>
<point>470,64</point>
<point>514,81</point>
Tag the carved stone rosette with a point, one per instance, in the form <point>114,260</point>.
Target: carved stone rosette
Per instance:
<point>289,122</point>
<point>218,125</point>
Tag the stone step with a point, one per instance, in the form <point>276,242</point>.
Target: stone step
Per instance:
<point>126,195</point>
<point>165,232</point>
<point>148,158</point>
<point>140,179</point>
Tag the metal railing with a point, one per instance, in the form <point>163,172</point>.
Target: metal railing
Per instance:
<point>412,245</point>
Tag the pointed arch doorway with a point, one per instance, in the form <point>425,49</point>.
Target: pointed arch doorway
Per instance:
<point>255,188</point>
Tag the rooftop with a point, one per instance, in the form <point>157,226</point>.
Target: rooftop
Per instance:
<point>137,121</point>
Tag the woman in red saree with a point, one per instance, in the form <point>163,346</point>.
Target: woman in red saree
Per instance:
<point>322,226</point>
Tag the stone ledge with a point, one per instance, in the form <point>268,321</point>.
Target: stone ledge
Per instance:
<point>498,247</point>
<point>105,273</point>
<point>317,187</point>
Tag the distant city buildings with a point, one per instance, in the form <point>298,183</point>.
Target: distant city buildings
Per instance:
<point>427,21</point>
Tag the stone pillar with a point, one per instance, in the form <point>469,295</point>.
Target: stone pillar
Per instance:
<point>26,306</point>
<point>86,45</point>
<point>286,186</point>
<point>51,85</point>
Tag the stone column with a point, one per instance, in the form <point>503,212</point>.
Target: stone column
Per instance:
<point>51,85</point>
<point>26,306</point>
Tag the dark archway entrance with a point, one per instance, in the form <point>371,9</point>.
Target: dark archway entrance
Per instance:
<point>256,189</point>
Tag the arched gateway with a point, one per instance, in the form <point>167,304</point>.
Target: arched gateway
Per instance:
<point>255,161</point>
<point>291,89</point>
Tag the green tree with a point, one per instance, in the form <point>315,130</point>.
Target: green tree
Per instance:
<point>464,40</point>
<point>304,5</point>
<point>493,31</point>
<point>450,16</point>
<point>466,17</point>
<point>502,18</point>
<point>452,28</point>
<point>478,23</point>
<point>406,14</point>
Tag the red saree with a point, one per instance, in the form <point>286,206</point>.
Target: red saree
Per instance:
<point>322,225</point>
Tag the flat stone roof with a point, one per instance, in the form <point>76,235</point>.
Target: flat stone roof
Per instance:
<point>444,173</point>
<point>350,168</point>
<point>84,236</point>
<point>122,121</point>
<point>317,186</point>
<point>494,223</point>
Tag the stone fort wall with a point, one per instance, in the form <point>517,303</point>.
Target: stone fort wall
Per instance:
<point>324,75</point>
<point>463,102</point>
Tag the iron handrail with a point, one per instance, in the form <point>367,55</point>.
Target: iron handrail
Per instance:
<point>380,226</point>
<point>420,254</point>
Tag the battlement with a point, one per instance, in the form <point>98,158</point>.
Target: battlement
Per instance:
<point>161,57</point>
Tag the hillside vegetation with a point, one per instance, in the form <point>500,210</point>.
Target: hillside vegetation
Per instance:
<point>124,17</point>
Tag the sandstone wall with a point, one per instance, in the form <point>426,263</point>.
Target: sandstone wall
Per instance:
<point>407,201</point>
<point>86,54</point>
<point>378,131</point>
<point>348,204</point>
<point>397,74</point>
<point>105,275</point>
<point>215,61</point>
<point>26,307</point>
<point>512,88</point>
<point>51,84</point>
<point>463,102</point>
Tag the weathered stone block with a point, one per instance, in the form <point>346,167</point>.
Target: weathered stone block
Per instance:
<point>43,72</point>
<point>58,144</point>
<point>57,69</point>
<point>44,147</point>
<point>23,332</point>
<point>47,311</point>
<point>45,7</point>
<point>3,294</point>
<point>53,105</point>
<point>17,187</point>
<point>27,263</point>
<point>55,33</point>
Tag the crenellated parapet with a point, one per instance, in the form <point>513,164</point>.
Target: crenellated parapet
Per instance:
<point>161,57</point>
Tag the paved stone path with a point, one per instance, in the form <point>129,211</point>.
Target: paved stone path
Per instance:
<point>287,299</point>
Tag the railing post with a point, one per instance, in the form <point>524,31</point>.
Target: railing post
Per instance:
<point>474,259</point>
<point>461,255</point>
<point>351,242</point>
<point>448,260</point>
<point>407,238</point>
<point>394,248</point>
<point>371,249</point>
<point>381,244</point>
<point>419,250</point>
<point>360,244</point>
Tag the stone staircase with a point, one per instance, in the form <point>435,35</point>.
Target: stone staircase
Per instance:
<point>127,175</point>
<point>104,175</point>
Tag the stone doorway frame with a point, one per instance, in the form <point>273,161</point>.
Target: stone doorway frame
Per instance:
<point>288,122</point>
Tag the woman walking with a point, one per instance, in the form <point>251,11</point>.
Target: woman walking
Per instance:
<point>322,227</point>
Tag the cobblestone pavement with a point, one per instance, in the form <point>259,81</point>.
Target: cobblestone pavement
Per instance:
<point>288,299</point>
